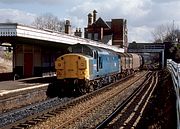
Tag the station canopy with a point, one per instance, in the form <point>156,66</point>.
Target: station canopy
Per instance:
<point>10,32</point>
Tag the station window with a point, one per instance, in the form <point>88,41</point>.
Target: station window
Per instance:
<point>89,35</point>
<point>96,36</point>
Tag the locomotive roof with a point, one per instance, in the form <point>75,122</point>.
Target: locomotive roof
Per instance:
<point>88,48</point>
<point>101,50</point>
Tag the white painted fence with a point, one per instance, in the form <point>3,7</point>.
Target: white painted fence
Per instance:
<point>174,69</point>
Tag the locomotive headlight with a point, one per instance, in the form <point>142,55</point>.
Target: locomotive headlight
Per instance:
<point>82,72</point>
<point>59,64</point>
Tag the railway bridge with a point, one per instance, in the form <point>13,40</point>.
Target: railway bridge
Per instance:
<point>149,48</point>
<point>35,50</point>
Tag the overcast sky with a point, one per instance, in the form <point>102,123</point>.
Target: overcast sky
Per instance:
<point>142,15</point>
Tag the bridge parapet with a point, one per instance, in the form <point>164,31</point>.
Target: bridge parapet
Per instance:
<point>157,46</point>
<point>174,69</point>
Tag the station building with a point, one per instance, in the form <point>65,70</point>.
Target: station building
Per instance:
<point>112,32</point>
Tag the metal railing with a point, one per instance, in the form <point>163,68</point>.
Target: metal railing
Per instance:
<point>174,69</point>
<point>159,46</point>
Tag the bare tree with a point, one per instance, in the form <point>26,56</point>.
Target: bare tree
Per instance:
<point>175,52</point>
<point>169,35</point>
<point>159,33</point>
<point>177,56</point>
<point>165,33</point>
<point>49,21</point>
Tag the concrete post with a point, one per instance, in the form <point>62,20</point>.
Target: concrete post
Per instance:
<point>162,59</point>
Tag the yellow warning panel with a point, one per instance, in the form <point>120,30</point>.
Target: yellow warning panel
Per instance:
<point>71,66</point>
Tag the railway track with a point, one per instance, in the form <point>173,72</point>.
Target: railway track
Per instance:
<point>73,113</point>
<point>89,117</point>
<point>30,115</point>
<point>88,113</point>
<point>128,114</point>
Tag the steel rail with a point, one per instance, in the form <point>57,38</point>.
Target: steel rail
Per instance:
<point>121,106</point>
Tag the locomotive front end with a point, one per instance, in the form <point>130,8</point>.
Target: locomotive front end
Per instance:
<point>71,66</point>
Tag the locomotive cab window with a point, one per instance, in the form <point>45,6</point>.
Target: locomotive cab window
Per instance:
<point>107,59</point>
<point>100,63</point>
<point>95,54</point>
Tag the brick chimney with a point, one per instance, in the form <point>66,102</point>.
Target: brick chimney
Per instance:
<point>78,32</point>
<point>67,27</point>
<point>94,15</point>
<point>90,20</point>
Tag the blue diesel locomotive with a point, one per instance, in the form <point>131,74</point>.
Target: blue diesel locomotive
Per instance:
<point>86,68</point>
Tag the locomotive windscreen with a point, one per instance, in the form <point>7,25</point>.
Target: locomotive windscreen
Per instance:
<point>79,48</point>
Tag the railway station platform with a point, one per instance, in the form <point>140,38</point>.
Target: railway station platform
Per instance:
<point>22,92</point>
<point>24,85</point>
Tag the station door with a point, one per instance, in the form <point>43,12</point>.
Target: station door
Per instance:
<point>28,64</point>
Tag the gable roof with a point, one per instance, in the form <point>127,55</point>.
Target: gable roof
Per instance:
<point>101,23</point>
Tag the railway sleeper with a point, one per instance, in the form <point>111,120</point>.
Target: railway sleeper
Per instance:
<point>17,127</point>
<point>43,117</point>
<point>32,122</point>
<point>38,119</point>
<point>25,125</point>
<point>52,113</point>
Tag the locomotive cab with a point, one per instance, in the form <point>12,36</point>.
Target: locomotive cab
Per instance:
<point>71,66</point>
